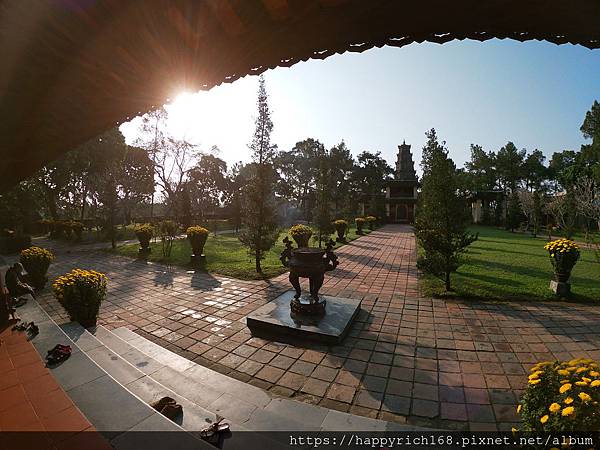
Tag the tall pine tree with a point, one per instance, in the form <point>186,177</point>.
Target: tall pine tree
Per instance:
<point>259,208</point>
<point>442,215</point>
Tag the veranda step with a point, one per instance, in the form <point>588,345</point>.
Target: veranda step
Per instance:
<point>113,410</point>
<point>132,372</point>
<point>258,410</point>
<point>219,394</point>
<point>162,380</point>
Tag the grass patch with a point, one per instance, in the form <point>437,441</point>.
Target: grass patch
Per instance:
<point>513,266</point>
<point>225,255</point>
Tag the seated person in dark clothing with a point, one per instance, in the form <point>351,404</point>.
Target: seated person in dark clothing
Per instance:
<point>15,281</point>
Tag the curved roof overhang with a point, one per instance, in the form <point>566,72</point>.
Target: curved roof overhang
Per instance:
<point>73,68</point>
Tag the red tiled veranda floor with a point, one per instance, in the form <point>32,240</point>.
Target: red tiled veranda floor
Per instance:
<point>35,413</point>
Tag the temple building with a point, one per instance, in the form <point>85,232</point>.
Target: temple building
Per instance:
<point>401,192</point>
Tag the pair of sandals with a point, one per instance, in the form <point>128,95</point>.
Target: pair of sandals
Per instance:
<point>29,327</point>
<point>17,302</point>
<point>58,354</point>
<point>168,407</point>
<point>213,431</point>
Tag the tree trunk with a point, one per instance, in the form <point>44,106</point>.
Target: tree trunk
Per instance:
<point>51,203</point>
<point>83,204</point>
<point>257,261</point>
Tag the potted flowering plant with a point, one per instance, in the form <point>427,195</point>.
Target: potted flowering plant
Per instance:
<point>371,221</point>
<point>341,227</point>
<point>81,292</point>
<point>360,224</point>
<point>76,229</point>
<point>144,233</point>
<point>301,235</point>
<point>36,261</point>
<point>564,254</point>
<point>197,237</point>
<point>561,397</point>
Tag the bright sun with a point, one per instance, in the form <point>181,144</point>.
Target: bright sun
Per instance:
<point>221,117</point>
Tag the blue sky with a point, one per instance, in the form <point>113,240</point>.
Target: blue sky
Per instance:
<point>534,94</point>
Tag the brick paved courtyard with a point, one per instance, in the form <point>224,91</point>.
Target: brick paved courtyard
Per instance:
<point>429,362</point>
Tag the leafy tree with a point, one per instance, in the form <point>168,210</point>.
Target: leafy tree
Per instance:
<point>152,138</point>
<point>534,170</point>
<point>207,184</point>
<point>236,180</point>
<point>171,158</point>
<point>137,180</point>
<point>341,164</point>
<point>591,124</point>
<point>259,208</point>
<point>19,206</point>
<point>54,181</point>
<point>442,215</point>
<point>481,169</point>
<point>563,209</point>
<point>371,175</point>
<point>513,212</point>
<point>298,169</point>
<point>564,169</point>
<point>509,166</point>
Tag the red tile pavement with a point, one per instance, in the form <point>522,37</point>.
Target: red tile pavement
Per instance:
<point>32,402</point>
<point>448,364</point>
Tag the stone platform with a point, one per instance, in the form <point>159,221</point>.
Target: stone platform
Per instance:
<point>275,320</point>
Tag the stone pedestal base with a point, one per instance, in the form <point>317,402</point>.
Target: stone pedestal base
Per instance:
<point>276,321</point>
<point>303,306</point>
<point>196,260</point>
<point>560,288</point>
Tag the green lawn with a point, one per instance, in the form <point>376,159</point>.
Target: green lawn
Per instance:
<point>513,266</point>
<point>225,255</point>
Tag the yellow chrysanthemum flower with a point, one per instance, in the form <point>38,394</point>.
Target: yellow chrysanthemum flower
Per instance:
<point>581,383</point>
<point>564,388</point>
<point>519,407</point>
<point>568,400</point>
<point>535,381</point>
<point>554,408</point>
<point>584,397</point>
<point>544,419</point>
<point>568,411</point>
<point>595,383</point>
<point>564,372</point>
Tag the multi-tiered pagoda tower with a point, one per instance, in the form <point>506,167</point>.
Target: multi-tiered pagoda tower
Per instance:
<point>401,193</point>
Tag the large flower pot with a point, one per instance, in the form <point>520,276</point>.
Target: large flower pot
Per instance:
<point>562,277</point>
<point>197,242</point>
<point>88,322</point>
<point>144,249</point>
<point>36,275</point>
<point>302,240</point>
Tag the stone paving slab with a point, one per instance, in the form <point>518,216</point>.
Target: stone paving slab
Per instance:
<point>429,362</point>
